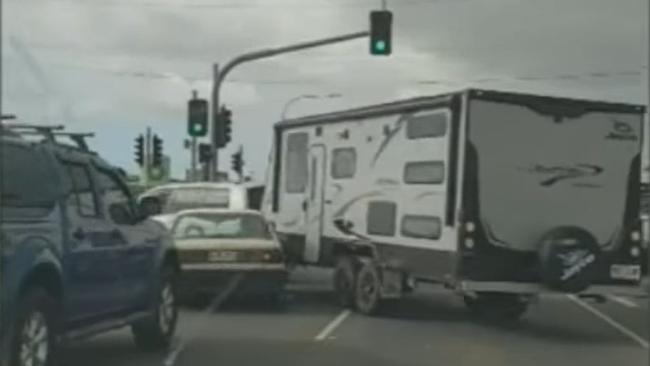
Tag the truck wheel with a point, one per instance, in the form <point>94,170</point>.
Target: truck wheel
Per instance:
<point>497,307</point>
<point>156,331</point>
<point>35,331</point>
<point>367,295</point>
<point>345,281</point>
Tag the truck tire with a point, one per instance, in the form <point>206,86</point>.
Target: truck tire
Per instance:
<point>568,259</point>
<point>497,307</point>
<point>367,294</point>
<point>345,277</point>
<point>34,338</point>
<point>156,331</point>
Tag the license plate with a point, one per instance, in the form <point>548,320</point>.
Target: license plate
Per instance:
<point>625,271</point>
<point>222,256</point>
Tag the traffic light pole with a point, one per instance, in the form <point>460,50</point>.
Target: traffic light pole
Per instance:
<point>147,157</point>
<point>220,75</point>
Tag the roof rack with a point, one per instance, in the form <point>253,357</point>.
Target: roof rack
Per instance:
<point>49,133</point>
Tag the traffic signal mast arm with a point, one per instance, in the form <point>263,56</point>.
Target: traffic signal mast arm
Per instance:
<point>220,75</point>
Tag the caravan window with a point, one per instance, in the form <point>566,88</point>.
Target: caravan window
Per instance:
<point>296,175</point>
<point>344,163</point>
<point>430,125</point>
<point>421,226</point>
<point>424,172</point>
<point>381,218</point>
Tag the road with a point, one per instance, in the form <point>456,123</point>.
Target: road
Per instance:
<point>430,328</point>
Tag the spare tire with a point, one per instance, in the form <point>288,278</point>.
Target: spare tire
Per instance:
<point>569,259</point>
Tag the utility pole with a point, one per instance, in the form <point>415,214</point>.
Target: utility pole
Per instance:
<point>218,77</point>
<point>193,147</point>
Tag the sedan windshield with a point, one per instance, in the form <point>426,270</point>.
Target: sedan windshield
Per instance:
<point>221,225</point>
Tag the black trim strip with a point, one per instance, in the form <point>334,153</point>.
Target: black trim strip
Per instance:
<point>452,181</point>
<point>555,106</point>
<point>277,165</point>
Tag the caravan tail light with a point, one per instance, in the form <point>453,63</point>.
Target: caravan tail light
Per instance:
<point>469,243</point>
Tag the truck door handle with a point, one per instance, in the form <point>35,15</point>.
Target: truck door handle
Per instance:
<point>79,234</point>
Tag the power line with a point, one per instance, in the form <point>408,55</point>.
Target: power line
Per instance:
<point>581,76</point>
<point>241,5</point>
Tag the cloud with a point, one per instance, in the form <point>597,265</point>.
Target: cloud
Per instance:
<point>121,65</point>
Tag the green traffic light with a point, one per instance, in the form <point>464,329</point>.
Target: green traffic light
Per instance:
<point>198,128</point>
<point>380,46</point>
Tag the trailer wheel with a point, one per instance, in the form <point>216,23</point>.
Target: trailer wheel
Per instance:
<point>367,295</point>
<point>345,281</point>
<point>497,307</point>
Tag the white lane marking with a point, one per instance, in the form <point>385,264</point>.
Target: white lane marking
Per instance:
<point>329,328</point>
<point>174,353</point>
<point>623,301</point>
<point>216,302</point>
<point>616,325</point>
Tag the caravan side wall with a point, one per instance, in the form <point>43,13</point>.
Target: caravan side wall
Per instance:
<point>392,176</point>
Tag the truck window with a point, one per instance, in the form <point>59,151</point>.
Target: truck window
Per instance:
<point>381,218</point>
<point>113,191</point>
<point>83,195</point>
<point>296,175</point>
<point>26,183</point>
<point>344,163</point>
<point>430,125</point>
<point>421,226</point>
<point>424,172</point>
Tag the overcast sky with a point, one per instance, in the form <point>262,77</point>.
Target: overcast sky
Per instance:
<point>117,66</point>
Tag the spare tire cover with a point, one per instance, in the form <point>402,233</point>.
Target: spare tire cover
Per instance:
<point>569,259</point>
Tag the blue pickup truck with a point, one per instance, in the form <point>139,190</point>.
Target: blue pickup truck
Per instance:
<point>78,257</point>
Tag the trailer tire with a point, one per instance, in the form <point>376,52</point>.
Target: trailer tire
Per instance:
<point>345,278</point>
<point>367,294</point>
<point>497,307</point>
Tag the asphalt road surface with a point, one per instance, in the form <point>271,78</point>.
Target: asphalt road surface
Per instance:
<point>430,328</point>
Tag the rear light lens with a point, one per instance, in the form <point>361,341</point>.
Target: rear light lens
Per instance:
<point>635,251</point>
<point>470,227</point>
<point>469,243</point>
<point>635,235</point>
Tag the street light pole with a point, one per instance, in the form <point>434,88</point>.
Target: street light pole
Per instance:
<point>293,100</point>
<point>219,75</point>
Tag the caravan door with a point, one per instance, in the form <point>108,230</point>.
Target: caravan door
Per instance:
<point>314,203</point>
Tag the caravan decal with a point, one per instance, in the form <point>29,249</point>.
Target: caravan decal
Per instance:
<point>291,223</point>
<point>346,206</point>
<point>388,136</point>
<point>557,173</point>
<point>622,131</point>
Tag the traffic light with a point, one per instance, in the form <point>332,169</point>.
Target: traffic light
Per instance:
<point>381,23</point>
<point>225,127</point>
<point>238,162</point>
<point>204,153</point>
<point>157,151</point>
<point>197,119</point>
<point>139,150</point>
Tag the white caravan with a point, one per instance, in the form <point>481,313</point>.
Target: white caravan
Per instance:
<point>499,196</point>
